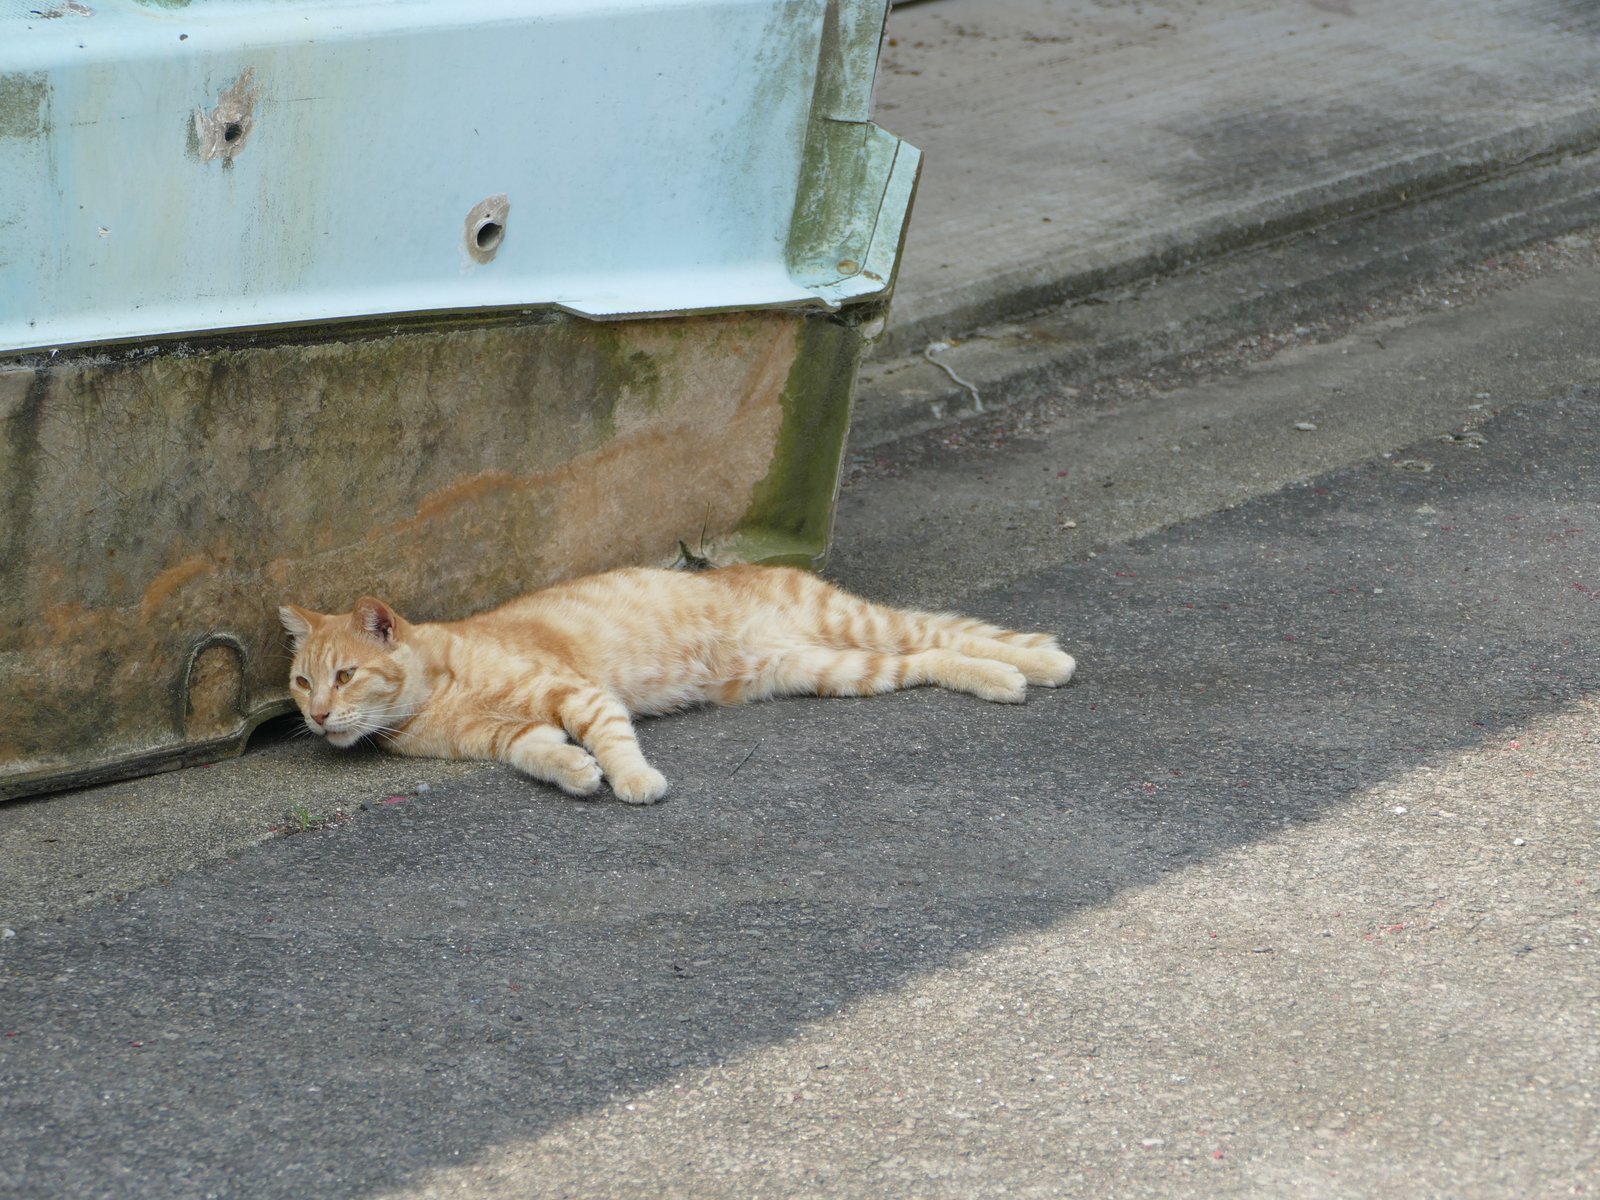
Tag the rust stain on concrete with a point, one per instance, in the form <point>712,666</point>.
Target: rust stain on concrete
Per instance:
<point>67,623</point>
<point>169,581</point>
<point>466,491</point>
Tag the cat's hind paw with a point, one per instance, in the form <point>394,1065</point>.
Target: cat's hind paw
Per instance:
<point>1050,668</point>
<point>1000,683</point>
<point>571,768</point>
<point>582,777</point>
<point>644,785</point>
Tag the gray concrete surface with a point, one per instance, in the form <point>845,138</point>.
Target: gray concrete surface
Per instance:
<point>1072,145</point>
<point>1292,892</point>
<point>1298,289</point>
<point>1069,476</point>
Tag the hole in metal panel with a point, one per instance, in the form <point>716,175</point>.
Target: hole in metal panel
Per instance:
<point>489,235</point>
<point>486,227</point>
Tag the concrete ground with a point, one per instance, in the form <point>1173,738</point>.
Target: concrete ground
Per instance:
<point>1294,891</point>
<point>1075,144</point>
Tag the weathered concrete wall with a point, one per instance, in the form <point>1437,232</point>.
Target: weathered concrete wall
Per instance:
<point>160,504</point>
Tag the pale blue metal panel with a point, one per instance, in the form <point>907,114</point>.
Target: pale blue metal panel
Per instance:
<point>246,163</point>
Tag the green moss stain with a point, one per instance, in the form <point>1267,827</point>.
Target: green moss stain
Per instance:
<point>850,40</point>
<point>24,98</point>
<point>21,463</point>
<point>846,159</point>
<point>622,372</point>
<point>790,518</point>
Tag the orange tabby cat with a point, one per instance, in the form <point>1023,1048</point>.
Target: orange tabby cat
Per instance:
<point>579,659</point>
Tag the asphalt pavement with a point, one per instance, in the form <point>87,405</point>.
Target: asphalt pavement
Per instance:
<point>1293,891</point>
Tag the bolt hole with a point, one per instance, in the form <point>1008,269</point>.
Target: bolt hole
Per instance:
<point>486,227</point>
<point>232,131</point>
<point>488,235</point>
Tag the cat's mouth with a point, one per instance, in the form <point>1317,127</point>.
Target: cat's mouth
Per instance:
<point>342,738</point>
<point>337,735</point>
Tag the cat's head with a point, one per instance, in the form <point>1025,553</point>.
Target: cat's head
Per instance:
<point>350,671</point>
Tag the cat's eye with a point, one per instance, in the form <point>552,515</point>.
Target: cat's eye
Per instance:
<point>300,681</point>
<point>343,677</point>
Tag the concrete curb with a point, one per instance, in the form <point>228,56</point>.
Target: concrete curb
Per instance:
<point>1031,287</point>
<point>1259,270</point>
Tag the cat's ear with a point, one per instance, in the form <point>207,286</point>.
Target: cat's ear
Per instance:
<point>377,620</point>
<point>298,622</point>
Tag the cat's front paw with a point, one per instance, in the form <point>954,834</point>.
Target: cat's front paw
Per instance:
<point>644,785</point>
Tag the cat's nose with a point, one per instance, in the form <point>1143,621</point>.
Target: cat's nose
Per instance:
<point>320,718</point>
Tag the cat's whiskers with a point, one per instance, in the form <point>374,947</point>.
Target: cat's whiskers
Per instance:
<point>387,720</point>
<point>374,728</point>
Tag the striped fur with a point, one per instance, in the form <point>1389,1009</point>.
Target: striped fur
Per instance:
<point>550,682</point>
